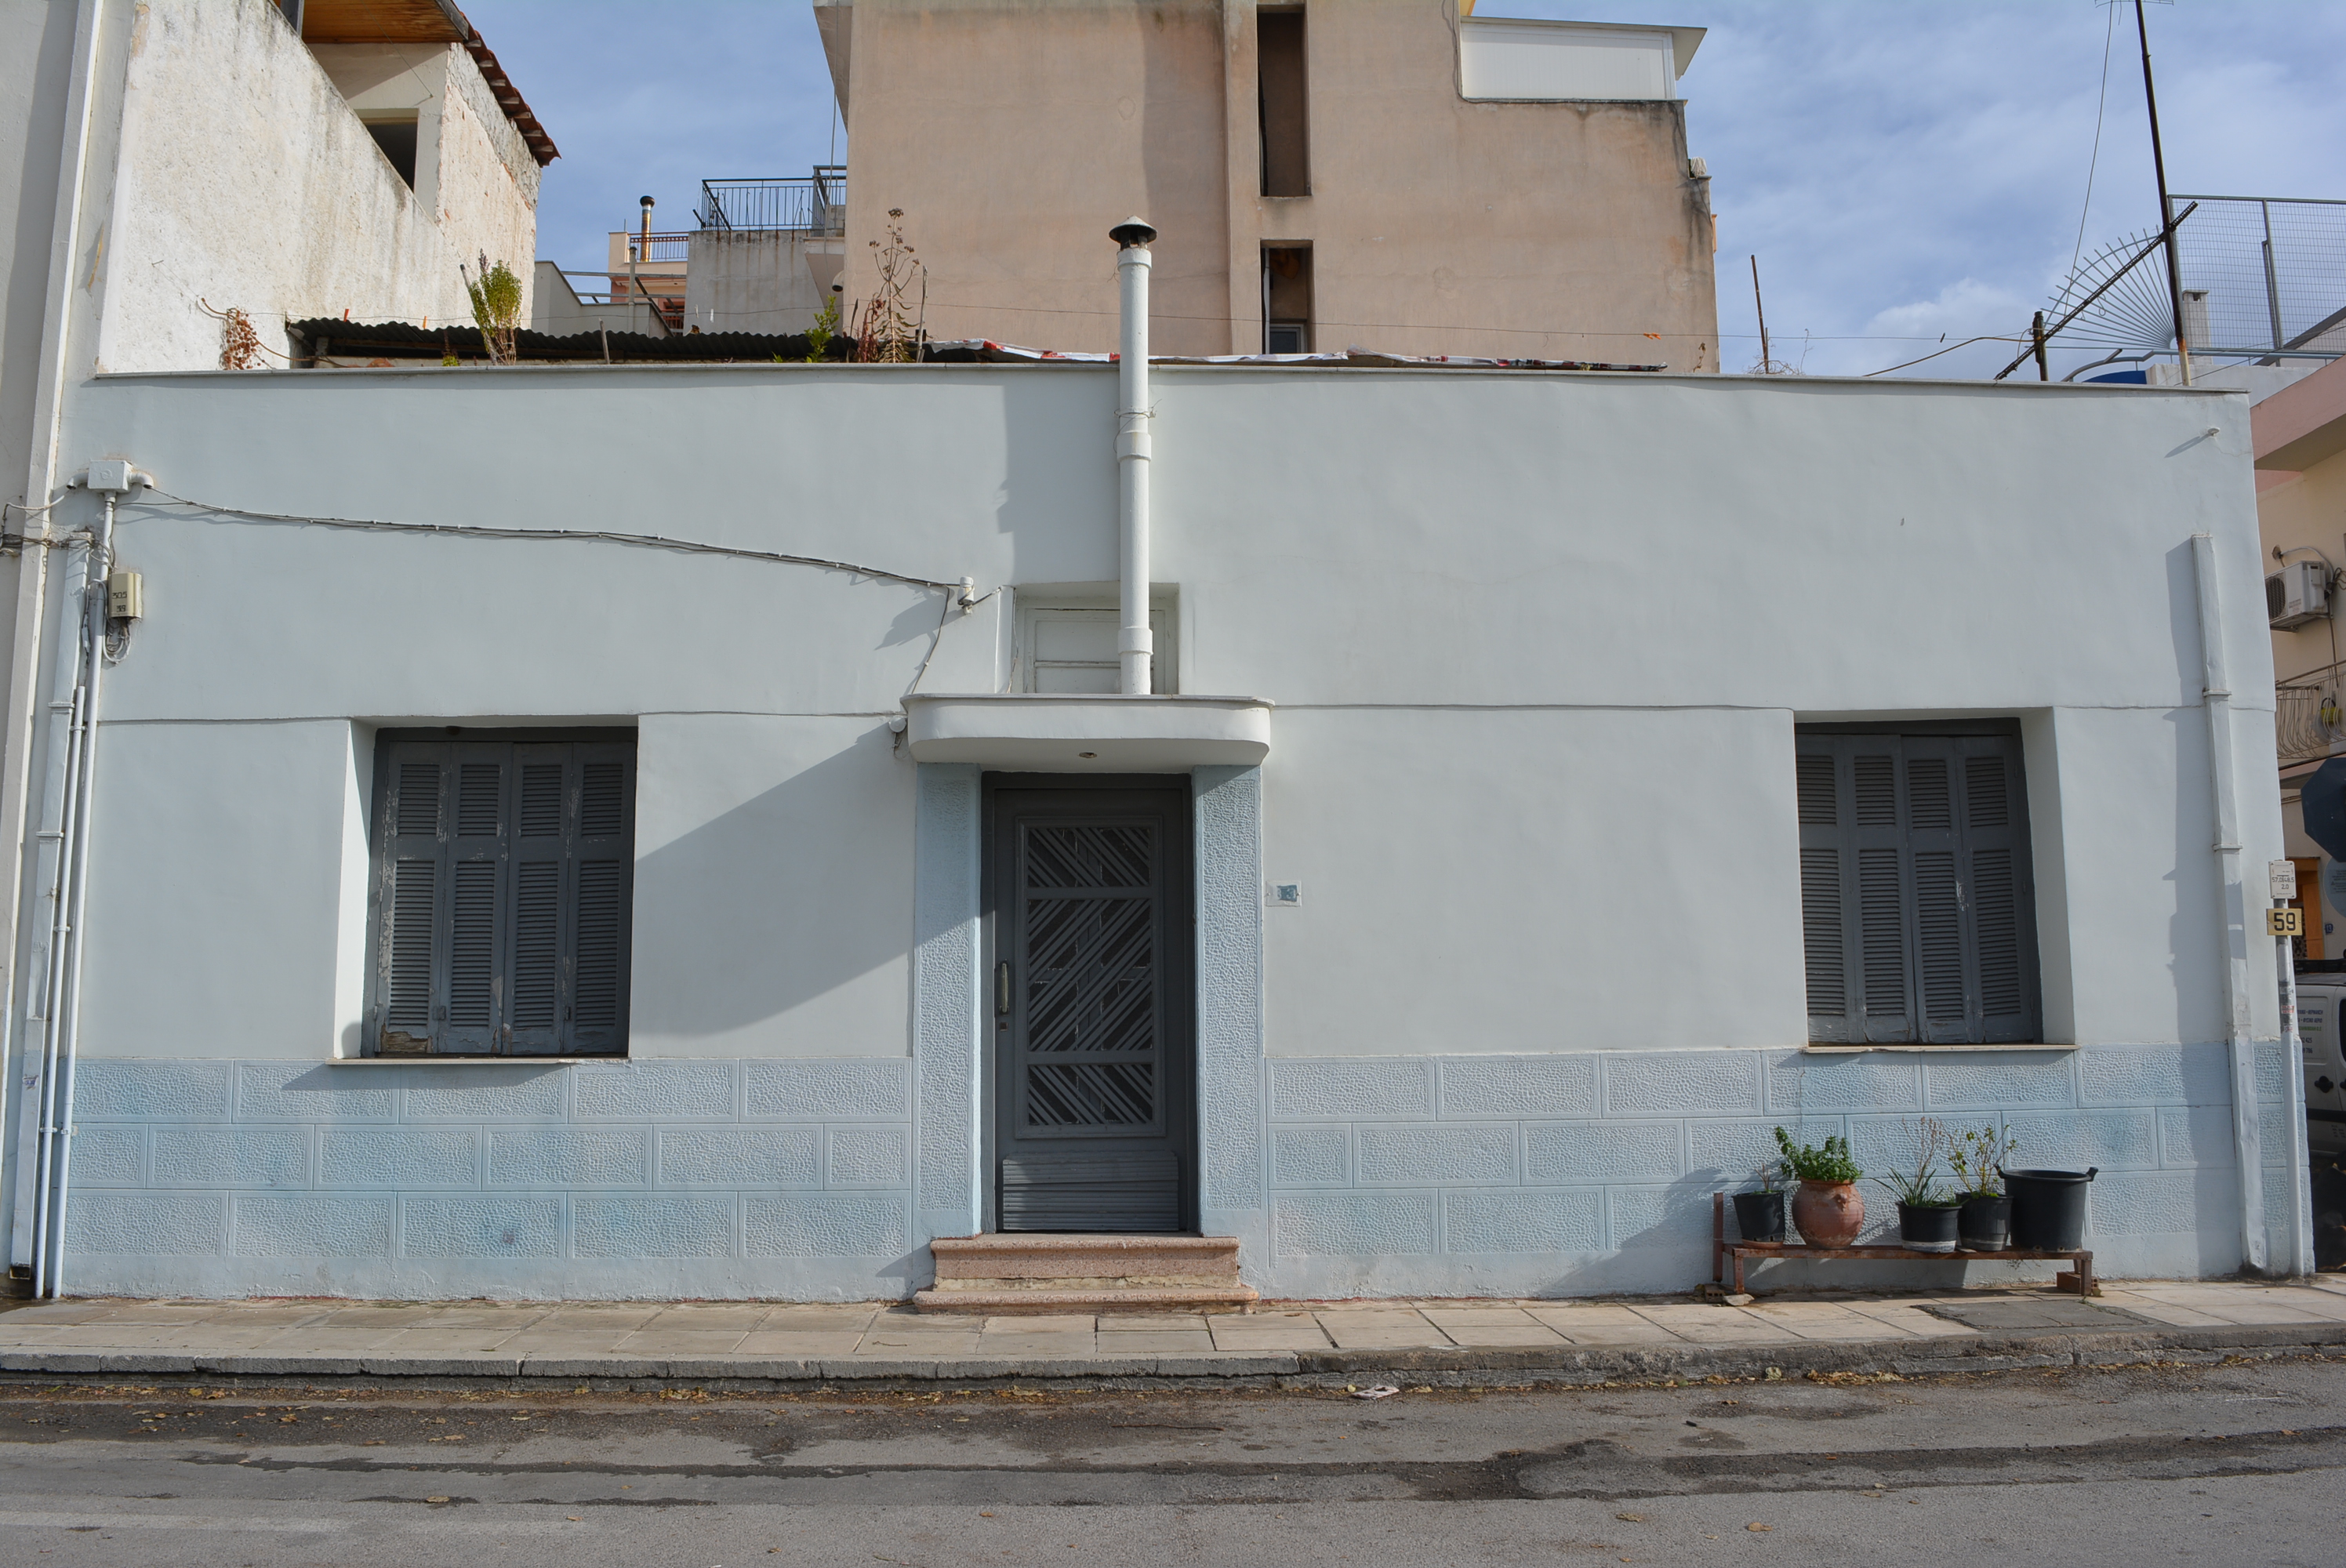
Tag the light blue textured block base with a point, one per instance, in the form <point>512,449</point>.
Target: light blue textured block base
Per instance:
<point>1467,1176</point>
<point>638,1180</point>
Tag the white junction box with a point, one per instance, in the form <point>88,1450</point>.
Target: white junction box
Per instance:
<point>110,474</point>
<point>2297,593</point>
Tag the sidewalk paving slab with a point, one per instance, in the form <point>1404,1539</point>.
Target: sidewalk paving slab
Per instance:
<point>1465,1343</point>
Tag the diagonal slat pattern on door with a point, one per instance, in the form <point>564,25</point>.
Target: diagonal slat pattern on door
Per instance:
<point>1091,975</point>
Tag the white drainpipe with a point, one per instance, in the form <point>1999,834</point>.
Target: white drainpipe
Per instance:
<point>1133,645</point>
<point>56,357</point>
<point>2232,912</point>
<point>64,872</point>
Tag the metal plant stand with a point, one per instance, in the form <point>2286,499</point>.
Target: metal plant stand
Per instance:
<point>2077,1278</point>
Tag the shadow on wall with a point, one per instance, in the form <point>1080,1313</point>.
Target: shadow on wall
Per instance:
<point>1058,462</point>
<point>789,895</point>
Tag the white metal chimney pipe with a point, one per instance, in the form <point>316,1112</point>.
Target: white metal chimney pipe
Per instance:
<point>1134,648</point>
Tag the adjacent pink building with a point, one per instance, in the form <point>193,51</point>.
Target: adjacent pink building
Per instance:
<point>1406,176</point>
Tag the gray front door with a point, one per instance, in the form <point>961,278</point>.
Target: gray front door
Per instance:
<point>1093,1059</point>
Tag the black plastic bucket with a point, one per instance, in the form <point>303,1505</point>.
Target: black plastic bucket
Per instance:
<point>1760,1216</point>
<point>1985,1225</point>
<point>2048,1208</point>
<point>1929,1228</point>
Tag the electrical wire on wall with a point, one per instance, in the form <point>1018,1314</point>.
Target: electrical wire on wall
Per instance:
<point>961,595</point>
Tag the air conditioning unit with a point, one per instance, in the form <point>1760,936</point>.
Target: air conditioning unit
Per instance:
<point>2297,593</point>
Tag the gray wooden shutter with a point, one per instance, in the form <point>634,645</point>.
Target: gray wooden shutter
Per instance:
<point>602,849</point>
<point>1829,944</point>
<point>408,889</point>
<point>504,898</point>
<point>1877,886</point>
<point>2003,893</point>
<point>540,840</point>
<point>1915,903</point>
<point>475,823</point>
<point>1935,846</point>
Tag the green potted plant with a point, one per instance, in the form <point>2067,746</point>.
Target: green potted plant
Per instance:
<point>1760,1216</point>
<point>1928,1217</point>
<point>1974,1155</point>
<point>1829,1209</point>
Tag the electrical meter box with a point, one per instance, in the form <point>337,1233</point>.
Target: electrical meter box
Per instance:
<point>123,597</point>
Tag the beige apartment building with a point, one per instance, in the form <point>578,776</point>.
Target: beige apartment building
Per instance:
<point>2301,457</point>
<point>1399,175</point>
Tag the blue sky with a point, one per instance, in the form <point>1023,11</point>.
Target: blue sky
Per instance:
<point>1902,168</point>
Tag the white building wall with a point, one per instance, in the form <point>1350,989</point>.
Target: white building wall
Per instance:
<point>758,281</point>
<point>242,178</point>
<point>1539,645</point>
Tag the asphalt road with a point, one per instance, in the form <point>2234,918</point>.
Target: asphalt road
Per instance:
<point>2207,1465</point>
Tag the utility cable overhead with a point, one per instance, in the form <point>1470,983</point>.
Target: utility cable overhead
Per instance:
<point>603,535</point>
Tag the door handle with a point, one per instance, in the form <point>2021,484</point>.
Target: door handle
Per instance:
<point>1002,989</point>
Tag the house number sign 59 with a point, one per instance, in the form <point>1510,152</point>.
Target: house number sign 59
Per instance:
<point>2284,923</point>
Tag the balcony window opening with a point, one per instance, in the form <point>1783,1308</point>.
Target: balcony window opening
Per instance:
<point>1287,299</point>
<point>1283,101</point>
<point>396,136</point>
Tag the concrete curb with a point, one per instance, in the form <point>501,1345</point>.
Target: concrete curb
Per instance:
<point>1555,1367</point>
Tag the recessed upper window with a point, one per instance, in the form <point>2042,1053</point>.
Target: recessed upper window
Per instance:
<point>1070,647</point>
<point>397,137</point>
<point>1287,299</point>
<point>1283,102</point>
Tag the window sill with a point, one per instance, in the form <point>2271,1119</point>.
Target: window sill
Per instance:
<point>1820,1048</point>
<point>462,1061</point>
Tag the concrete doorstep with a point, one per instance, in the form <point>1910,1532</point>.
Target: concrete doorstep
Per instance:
<point>1479,1343</point>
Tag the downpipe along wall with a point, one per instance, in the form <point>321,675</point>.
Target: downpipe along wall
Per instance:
<point>79,669</point>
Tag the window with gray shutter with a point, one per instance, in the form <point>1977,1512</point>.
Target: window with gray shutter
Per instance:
<point>503,871</point>
<point>1917,911</point>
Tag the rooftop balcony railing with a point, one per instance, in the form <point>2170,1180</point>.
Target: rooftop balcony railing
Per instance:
<point>814,205</point>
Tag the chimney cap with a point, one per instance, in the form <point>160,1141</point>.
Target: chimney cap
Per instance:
<point>1135,231</point>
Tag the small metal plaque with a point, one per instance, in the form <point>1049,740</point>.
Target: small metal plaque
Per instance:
<point>2284,923</point>
<point>2284,878</point>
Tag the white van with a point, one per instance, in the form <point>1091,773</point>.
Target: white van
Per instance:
<point>2321,1009</point>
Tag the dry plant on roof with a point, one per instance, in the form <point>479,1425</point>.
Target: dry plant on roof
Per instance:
<point>890,325</point>
<point>496,307</point>
<point>241,347</point>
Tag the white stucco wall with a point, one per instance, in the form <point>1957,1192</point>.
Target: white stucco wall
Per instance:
<point>1539,645</point>
<point>36,64</point>
<point>756,282</point>
<point>307,219</point>
<point>1485,602</point>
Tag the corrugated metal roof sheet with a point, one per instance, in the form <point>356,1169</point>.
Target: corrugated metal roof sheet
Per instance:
<point>406,340</point>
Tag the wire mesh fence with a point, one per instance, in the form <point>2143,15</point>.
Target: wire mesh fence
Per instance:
<point>2274,271</point>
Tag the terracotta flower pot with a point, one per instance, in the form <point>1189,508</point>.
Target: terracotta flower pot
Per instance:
<point>1829,1213</point>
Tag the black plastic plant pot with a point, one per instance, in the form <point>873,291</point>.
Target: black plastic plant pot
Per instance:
<point>1760,1216</point>
<point>1929,1228</point>
<point>2048,1208</point>
<point>1985,1223</point>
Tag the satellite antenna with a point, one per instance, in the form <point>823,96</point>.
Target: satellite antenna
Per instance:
<point>2131,316</point>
